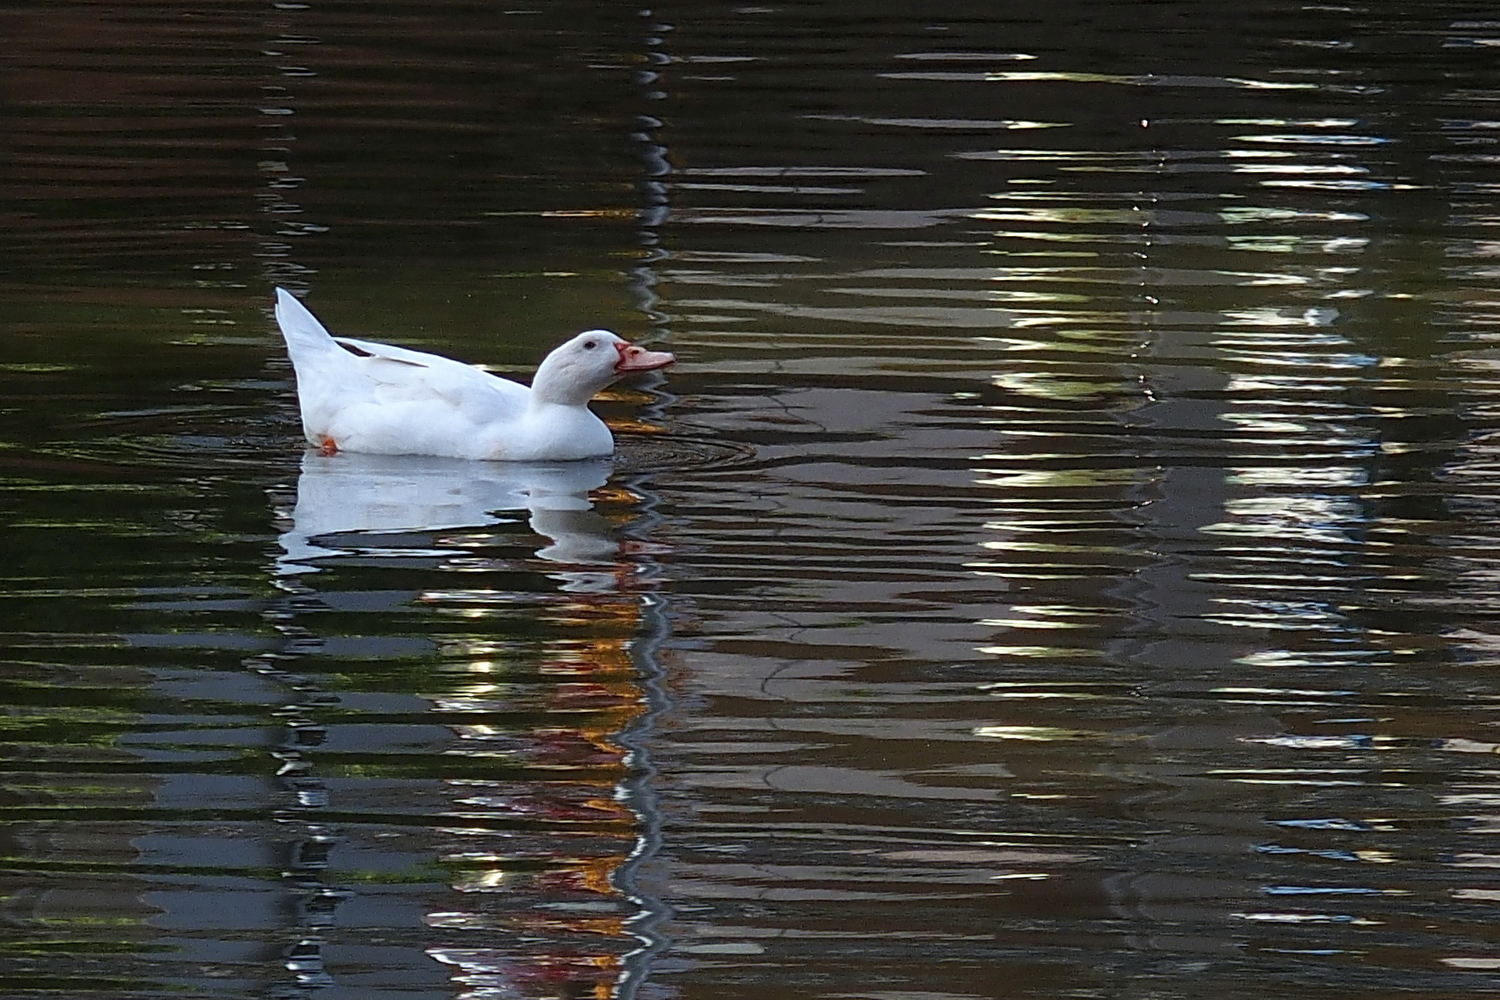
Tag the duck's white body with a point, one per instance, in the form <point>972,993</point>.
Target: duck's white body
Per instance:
<point>374,398</point>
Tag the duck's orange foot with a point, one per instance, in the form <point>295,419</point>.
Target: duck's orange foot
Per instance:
<point>328,446</point>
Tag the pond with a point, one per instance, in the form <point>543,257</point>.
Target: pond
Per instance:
<point>1062,563</point>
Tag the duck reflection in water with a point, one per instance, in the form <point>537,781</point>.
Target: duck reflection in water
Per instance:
<point>492,691</point>
<point>346,502</point>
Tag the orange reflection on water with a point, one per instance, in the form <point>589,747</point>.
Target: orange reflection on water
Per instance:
<point>558,890</point>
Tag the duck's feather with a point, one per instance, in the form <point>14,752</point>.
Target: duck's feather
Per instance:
<point>400,375</point>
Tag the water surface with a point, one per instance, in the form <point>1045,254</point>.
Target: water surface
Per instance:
<point>1060,564</point>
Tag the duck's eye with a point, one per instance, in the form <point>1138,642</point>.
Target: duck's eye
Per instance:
<point>589,345</point>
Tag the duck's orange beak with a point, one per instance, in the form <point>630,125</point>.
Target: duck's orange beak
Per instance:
<point>638,359</point>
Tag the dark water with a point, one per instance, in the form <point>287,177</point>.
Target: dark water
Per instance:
<point>1063,563</point>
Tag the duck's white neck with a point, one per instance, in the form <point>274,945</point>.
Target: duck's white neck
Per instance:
<point>557,384</point>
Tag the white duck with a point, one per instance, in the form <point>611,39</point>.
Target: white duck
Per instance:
<point>364,397</point>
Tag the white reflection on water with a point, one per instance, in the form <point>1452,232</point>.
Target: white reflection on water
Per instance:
<point>346,495</point>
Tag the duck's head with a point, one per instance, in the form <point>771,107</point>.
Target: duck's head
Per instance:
<point>576,370</point>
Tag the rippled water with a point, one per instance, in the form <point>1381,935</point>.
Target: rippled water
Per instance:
<point>1060,565</point>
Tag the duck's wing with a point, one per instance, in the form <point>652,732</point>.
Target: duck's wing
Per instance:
<point>402,375</point>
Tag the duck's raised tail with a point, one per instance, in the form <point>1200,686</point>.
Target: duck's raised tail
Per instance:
<point>304,335</point>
